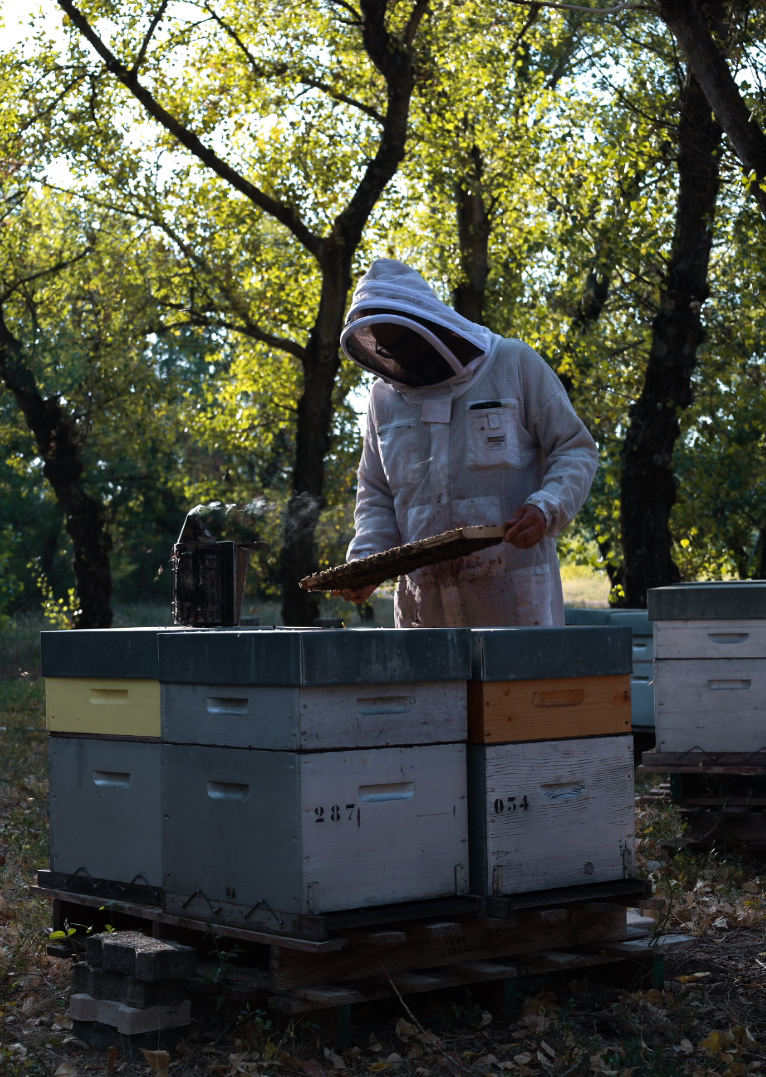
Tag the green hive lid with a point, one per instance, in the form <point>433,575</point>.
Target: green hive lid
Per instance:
<point>736,600</point>
<point>521,654</point>
<point>315,657</point>
<point>101,652</point>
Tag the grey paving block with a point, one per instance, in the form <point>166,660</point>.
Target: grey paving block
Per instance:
<point>101,1037</point>
<point>139,994</point>
<point>738,600</point>
<point>520,654</point>
<point>101,652</point>
<point>126,1019</point>
<point>132,953</point>
<point>314,657</point>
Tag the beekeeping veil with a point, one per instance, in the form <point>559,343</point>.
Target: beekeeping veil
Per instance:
<point>392,294</point>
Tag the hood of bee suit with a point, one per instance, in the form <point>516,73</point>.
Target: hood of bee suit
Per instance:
<point>392,286</point>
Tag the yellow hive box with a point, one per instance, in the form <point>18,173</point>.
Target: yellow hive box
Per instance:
<point>505,712</point>
<point>126,708</point>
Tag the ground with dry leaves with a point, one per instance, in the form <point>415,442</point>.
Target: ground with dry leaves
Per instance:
<point>709,1021</point>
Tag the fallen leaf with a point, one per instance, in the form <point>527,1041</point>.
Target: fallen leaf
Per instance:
<point>309,1066</point>
<point>716,1042</point>
<point>548,1050</point>
<point>373,1043</point>
<point>404,1030</point>
<point>336,1060</point>
<point>378,1067</point>
<point>112,1059</point>
<point>686,1046</point>
<point>66,1069</point>
<point>522,1059</point>
<point>486,1019</point>
<point>159,1062</point>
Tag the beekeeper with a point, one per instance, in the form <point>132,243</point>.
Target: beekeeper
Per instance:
<point>464,427</point>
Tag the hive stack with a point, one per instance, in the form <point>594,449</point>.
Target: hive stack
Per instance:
<point>103,713</point>
<point>710,685</point>
<point>641,686</point>
<point>710,666</point>
<point>550,758</point>
<point>312,771</point>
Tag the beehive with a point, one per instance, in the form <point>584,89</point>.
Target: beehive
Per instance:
<point>550,814</point>
<point>310,832</point>
<point>548,683</point>
<point>710,666</point>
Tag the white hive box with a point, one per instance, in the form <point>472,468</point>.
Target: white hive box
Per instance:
<point>105,809</point>
<point>309,691</point>
<point>550,814</point>
<point>710,666</point>
<point>312,832</point>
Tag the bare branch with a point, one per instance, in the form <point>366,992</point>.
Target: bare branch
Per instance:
<point>282,69</point>
<point>279,210</point>
<point>414,21</point>
<point>148,37</point>
<point>357,18</point>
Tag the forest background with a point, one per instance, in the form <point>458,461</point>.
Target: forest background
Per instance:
<point>189,190</point>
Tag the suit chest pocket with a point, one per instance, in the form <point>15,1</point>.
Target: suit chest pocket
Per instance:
<point>492,436</point>
<point>398,444</point>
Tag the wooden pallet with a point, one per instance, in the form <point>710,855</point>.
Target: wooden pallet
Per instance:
<point>363,962</point>
<point>696,760</point>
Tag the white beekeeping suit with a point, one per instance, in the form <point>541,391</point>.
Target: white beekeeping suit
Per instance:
<point>491,431</point>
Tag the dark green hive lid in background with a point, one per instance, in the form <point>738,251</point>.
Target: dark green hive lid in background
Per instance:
<point>738,600</point>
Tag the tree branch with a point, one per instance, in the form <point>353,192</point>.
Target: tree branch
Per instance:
<point>626,6</point>
<point>148,37</point>
<point>281,212</point>
<point>689,24</point>
<point>282,69</point>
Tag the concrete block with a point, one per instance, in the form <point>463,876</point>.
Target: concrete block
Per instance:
<point>128,1020</point>
<point>139,994</point>
<point>524,654</point>
<point>738,600</point>
<point>132,953</point>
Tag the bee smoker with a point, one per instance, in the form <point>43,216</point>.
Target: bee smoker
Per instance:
<point>208,576</point>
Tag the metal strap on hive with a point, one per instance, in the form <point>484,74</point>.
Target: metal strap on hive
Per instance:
<point>403,559</point>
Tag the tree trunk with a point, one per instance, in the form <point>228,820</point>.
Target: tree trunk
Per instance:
<point>61,452</point>
<point>648,487</point>
<point>688,21</point>
<point>473,227</point>
<point>312,444</point>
